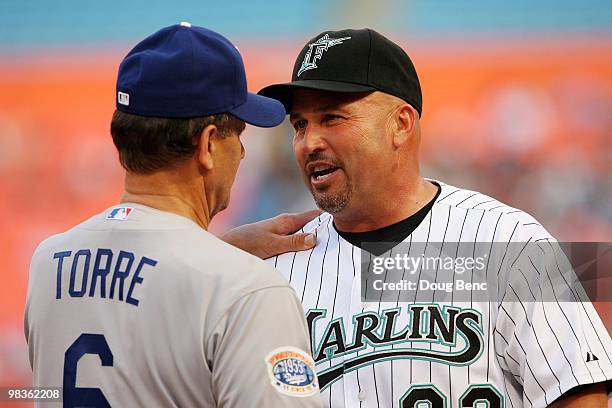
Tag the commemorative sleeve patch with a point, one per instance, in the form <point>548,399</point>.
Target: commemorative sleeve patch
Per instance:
<point>292,372</point>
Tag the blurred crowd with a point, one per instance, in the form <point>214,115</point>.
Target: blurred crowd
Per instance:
<point>534,134</point>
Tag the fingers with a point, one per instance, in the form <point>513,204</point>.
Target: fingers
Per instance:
<point>273,236</point>
<point>290,243</point>
<point>290,223</point>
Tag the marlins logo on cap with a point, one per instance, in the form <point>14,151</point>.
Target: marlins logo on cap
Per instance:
<point>362,61</point>
<point>322,44</point>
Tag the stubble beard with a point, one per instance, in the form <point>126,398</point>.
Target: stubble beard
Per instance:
<point>333,202</point>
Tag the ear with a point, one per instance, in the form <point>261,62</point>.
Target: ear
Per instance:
<point>206,146</point>
<point>405,117</point>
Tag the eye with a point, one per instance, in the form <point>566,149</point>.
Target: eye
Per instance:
<point>299,125</point>
<point>332,118</point>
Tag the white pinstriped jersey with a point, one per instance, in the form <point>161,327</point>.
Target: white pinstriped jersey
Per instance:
<point>527,354</point>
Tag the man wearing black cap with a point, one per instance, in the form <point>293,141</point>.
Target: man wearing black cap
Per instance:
<point>140,306</point>
<point>355,104</point>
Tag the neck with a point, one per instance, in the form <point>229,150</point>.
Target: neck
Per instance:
<point>169,190</point>
<point>380,211</point>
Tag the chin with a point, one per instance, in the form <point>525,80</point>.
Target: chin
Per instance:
<point>332,203</point>
<point>218,209</point>
<point>222,207</point>
<point>333,199</point>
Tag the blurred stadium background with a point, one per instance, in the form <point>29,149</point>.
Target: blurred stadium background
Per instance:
<point>517,104</point>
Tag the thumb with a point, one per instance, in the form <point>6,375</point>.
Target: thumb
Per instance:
<point>304,241</point>
<point>292,243</point>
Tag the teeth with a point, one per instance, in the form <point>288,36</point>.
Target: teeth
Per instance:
<point>322,172</point>
<point>323,177</point>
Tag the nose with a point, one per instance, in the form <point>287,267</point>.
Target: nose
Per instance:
<point>242,151</point>
<point>312,141</point>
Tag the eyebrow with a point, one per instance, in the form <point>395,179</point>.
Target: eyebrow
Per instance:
<point>335,106</point>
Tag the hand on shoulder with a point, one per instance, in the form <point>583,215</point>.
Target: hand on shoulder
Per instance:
<point>273,236</point>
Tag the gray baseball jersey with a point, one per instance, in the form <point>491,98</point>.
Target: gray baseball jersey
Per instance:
<point>511,352</point>
<point>140,307</point>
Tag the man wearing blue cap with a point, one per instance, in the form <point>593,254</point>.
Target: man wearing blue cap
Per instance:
<point>140,305</point>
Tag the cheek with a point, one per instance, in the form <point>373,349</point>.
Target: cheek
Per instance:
<point>362,158</point>
<point>298,155</point>
<point>229,163</point>
<point>235,162</point>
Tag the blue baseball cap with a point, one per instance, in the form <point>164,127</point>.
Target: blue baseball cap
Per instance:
<point>184,71</point>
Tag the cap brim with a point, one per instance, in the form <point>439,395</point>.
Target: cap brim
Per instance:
<point>260,111</point>
<point>284,92</point>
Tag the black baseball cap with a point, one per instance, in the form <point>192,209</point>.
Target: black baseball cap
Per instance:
<point>184,71</point>
<point>351,61</point>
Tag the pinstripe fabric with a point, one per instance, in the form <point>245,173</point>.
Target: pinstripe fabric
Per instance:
<point>532,352</point>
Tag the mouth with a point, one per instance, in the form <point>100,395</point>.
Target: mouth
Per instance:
<point>321,174</point>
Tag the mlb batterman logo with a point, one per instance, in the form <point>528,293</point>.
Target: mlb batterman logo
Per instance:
<point>119,213</point>
<point>292,372</point>
<point>123,98</point>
